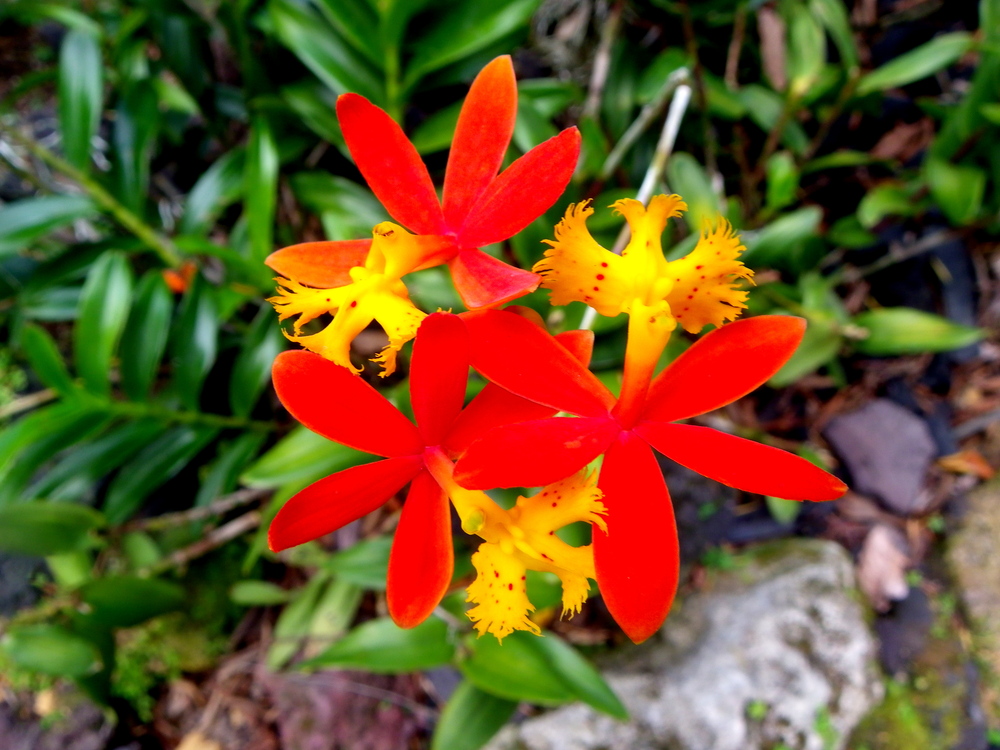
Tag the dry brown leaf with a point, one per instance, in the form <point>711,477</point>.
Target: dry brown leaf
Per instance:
<point>968,461</point>
<point>882,566</point>
<point>771,28</point>
<point>198,741</point>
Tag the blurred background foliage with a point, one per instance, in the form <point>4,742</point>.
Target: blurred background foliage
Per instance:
<point>154,152</point>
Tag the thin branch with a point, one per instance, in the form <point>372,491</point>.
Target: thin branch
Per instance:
<point>735,47</point>
<point>218,507</point>
<point>213,540</point>
<point>25,403</point>
<point>161,245</point>
<point>602,63</point>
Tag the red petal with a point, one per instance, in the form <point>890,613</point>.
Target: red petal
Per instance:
<point>579,343</point>
<point>484,128</point>
<point>320,264</point>
<point>390,164</point>
<point>338,499</point>
<point>519,356</point>
<point>742,464</point>
<point>482,280</point>
<point>422,558</point>
<point>722,366</point>
<point>438,374</point>
<point>638,559</point>
<point>533,454</point>
<point>523,191</point>
<point>334,402</point>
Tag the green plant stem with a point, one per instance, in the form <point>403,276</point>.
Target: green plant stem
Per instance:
<point>159,244</point>
<point>149,411</point>
<point>774,137</point>
<point>392,83</point>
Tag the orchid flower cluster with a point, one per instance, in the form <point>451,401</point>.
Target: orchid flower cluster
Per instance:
<point>509,435</point>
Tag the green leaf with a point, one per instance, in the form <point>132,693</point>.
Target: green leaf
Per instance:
<point>887,199</point>
<point>261,188</point>
<point>348,210</point>
<point>220,185</point>
<point>364,564</point>
<point>301,456</point>
<point>781,243</point>
<point>903,330</point>
<point>24,221</point>
<point>223,474</point>
<point>315,104</point>
<point>104,306</point>
<point>581,676</point>
<point>127,601</point>
<point>783,511</point>
<point>782,180</point>
<point>154,465</point>
<point>764,107</point>
<point>31,13</point>
<point>252,370</point>
<point>45,359</point>
<point>806,49</point>
<point>687,177</point>
<point>74,477</point>
<point>145,337</point>
<point>957,188</point>
<point>333,615</point>
<point>293,623</point>
<point>323,51</point>
<point>50,649</point>
<point>383,647</point>
<point>354,20</point>
<point>466,28</point>
<point>833,15</point>
<point>194,342</point>
<point>137,120</point>
<point>470,718</point>
<point>820,344</point>
<point>848,232</point>
<point>258,594</point>
<point>925,60</point>
<point>42,529</point>
<point>519,669</point>
<point>81,83</point>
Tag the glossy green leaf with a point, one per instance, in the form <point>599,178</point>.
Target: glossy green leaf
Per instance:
<point>127,601</point>
<point>141,550</point>
<point>780,244</point>
<point>316,105</point>
<point>252,370</point>
<point>292,626</point>
<point>364,564</point>
<point>222,475</point>
<point>220,185</point>
<point>688,178</point>
<point>33,12</point>
<point>783,511</point>
<point>144,340</point>
<point>104,308</point>
<point>531,127</point>
<point>75,476</point>
<point>354,20</point>
<point>261,188</point>
<point>52,650</point>
<point>925,60</point>
<point>764,108</point>
<point>470,718</point>
<point>50,305</point>
<point>833,15</point>
<point>301,456</point>
<point>519,669</point>
<point>842,158</point>
<point>45,359</point>
<point>195,341</point>
<point>137,120</point>
<point>581,676</point>
<point>81,84</point>
<point>258,594</point>
<point>42,529</point>
<point>848,232</point>
<point>957,188</point>
<point>887,199</point>
<point>806,49</point>
<point>383,647</point>
<point>61,427</point>
<point>466,28</point>
<point>820,344</point>
<point>903,330</point>
<point>323,51</point>
<point>335,611</point>
<point>154,465</point>
<point>24,221</point>
<point>347,209</point>
<point>782,180</point>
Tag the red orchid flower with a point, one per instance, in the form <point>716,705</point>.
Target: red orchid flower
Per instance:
<point>333,402</point>
<point>480,207</point>
<point>637,560</point>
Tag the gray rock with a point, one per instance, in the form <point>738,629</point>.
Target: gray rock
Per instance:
<point>775,651</point>
<point>888,450</point>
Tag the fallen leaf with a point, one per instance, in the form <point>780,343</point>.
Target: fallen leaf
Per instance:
<point>198,741</point>
<point>968,461</point>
